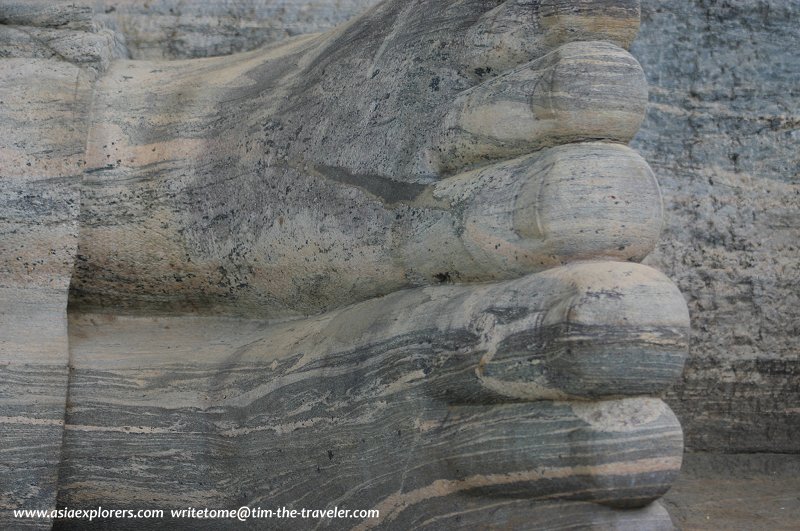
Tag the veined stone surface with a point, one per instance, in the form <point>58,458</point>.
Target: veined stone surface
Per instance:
<point>336,167</point>
<point>444,187</point>
<point>49,57</point>
<point>180,411</point>
<point>176,29</point>
<point>44,112</point>
<point>721,134</point>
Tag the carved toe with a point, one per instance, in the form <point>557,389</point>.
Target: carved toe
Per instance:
<point>581,91</point>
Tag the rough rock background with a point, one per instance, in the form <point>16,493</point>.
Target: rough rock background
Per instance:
<point>722,135</point>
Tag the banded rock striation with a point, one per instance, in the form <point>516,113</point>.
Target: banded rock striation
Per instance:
<point>266,248</point>
<point>721,136</point>
<point>49,62</point>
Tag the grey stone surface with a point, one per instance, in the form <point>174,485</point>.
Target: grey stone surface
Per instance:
<point>188,411</point>
<point>44,107</point>
<point>421,145</point>
<point>736,492</point>
<point>302,178</point>
<point>177,29</point>
<point>722,136</point>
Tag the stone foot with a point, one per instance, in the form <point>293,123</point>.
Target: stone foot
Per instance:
<point>335,168</point>
<point>366,176</point>
<point>401,403</point>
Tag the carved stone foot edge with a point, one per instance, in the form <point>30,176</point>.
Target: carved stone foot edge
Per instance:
<point>518,404</point>
<point>50,54</point>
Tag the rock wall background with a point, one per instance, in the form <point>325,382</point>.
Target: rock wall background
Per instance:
<point>722,135</point>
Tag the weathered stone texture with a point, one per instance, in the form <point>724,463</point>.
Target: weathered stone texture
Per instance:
<point>231,412</point>
<point>176,29</point>
<point>736,492</point>
<point>50,53</point>
<point>721,134</point>
<point>44,103</point>
<point>387,143</point>
<point>722,137</point>
<point>309,174</point>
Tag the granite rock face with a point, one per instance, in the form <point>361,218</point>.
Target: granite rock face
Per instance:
<point>331,168</point>
<point>176,29</point>
<point>49,58</point>
<point>372,406</point>
<point>722,135</point>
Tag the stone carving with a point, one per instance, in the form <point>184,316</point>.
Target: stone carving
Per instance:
<point>722,145</point>
<point>388,266</point>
